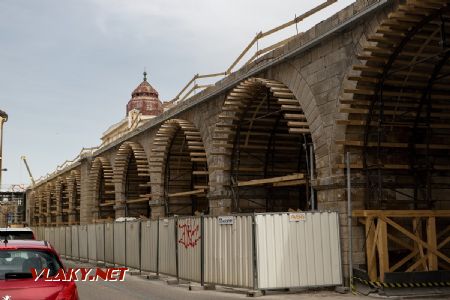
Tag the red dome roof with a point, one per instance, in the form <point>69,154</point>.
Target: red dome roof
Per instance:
<point>145,99</point>
<point>144,89</point>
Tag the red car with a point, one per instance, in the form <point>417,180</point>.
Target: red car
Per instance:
<point>18,258</point>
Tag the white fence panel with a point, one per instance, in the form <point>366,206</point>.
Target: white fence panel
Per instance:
<point>100,241</point>
<point>42,233</point>
<point>38,233</point>
<point>119,243</point>
<point>167,259</point>
<point>60,240</point>
<point>133,232</point>
<point>47,234</point>
<point>109,243</point>
<point>57,240</point>
<point>149,244</point>
<point>189,248</point>
<point>68,238</point>
<point>51,237</point>
<point>229,251</point>
<point>83,241</point>
<point>92,243</point>
<point>75,243</point>
<point>298,251</point>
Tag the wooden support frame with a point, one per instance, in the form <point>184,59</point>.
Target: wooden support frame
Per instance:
<point>404,229</point>
<point>273,180</point>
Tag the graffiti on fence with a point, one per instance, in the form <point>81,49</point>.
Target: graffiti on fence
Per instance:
<point>189,235</point>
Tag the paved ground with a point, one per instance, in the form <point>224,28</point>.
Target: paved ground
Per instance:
<point>137,288</point>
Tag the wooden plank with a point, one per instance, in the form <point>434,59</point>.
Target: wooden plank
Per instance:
<point>414,238</point>
<point>403,260</point>
<point>389,124</point>
<point>200,173</point>
<point>382,246</point>
<point>392,166</point>
<point>392,145</point>
<point>370,249</point>
<point>417,229</point>
<point>194,192</point>
<point>271,180</point>
<point>401,213</point>
<point>432,241</point>
<point>137,200</point>
<point>294,116</point>
<point>295,123</point>
<point>299,130</point>
<point>289,183</point>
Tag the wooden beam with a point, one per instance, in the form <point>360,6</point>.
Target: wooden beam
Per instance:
<point>271,180</point>
<point>401,213</point>
<point>370,249</point>
<point>289,183</point>
<point>432,241</point>
<point>382,245</point>
<point>137,200</point>
<point>414,238</point>
<point>194,192</point>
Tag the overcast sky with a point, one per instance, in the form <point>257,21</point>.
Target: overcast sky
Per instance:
<point>67,68</point>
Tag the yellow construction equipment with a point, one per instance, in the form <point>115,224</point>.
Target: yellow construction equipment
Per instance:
<point>23,157</point>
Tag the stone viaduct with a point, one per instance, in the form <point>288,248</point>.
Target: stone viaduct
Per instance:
<point>372,80</point>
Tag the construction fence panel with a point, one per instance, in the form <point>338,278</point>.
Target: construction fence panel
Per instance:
<point>37,231</point>
<point>42,233</point>
<point>133,233</point>
<point>109,243</point>
<point>57,240</point>
<point>298,250</point>
<point>119,243</point>
<point>47,234</point>
<point>149,244</point>
<point>100,241</point>
<point>92,243</point>
<point>167,250</point>
<point>83,241</point>
<point>75,244</point>
<point>61,231</point>
<point>51,237</point>
<point>228,249</point>
<point>189,241</point>
<point>68,238</point>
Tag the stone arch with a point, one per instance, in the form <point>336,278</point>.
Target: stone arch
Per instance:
<point>293,79</point>
<point>102,188</point>
<point>62,201</point>
<point>398,113</point>
<point>131,174</point>
<point>262,140</point>
<point>74,196</point>
<point>179,161</point>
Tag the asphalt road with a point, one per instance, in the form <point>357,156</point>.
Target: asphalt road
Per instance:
<point>136,287</point>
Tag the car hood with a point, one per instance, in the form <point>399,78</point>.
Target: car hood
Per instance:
<point>24,289</point>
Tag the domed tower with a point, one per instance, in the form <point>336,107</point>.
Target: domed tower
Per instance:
<point>145,99</point>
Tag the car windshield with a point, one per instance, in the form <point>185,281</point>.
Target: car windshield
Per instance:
<point>20,262</point>
<point>16,235</point>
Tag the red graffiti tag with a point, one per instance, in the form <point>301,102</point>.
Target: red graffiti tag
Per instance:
<point>190,236</point>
